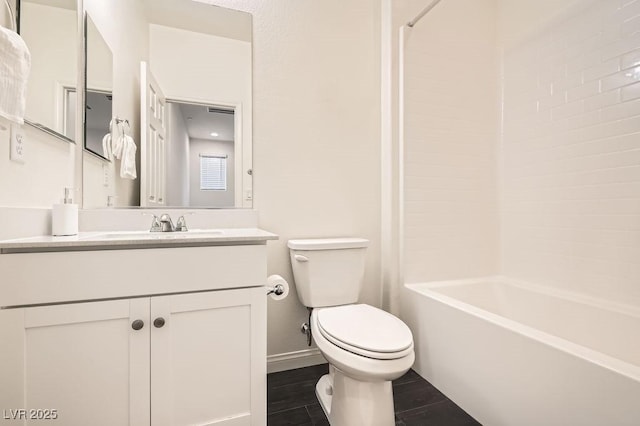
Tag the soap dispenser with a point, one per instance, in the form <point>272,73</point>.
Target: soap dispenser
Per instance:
<point>64,217</point>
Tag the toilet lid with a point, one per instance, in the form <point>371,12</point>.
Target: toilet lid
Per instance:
<point>365,330</point>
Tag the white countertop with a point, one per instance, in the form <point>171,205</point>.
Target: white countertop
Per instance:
<point>137,239</point>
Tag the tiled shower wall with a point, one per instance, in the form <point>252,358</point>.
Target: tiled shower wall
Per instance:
<point>451,117</point>
<point>554,197</point>
<point>570,169</point>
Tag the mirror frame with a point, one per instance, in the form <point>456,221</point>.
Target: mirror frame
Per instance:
<point>79,77</point>
<point>85,54</point>
<point>247,189</point>
<point>76,147</point>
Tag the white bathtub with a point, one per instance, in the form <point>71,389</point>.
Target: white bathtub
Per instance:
<point>516,354</point>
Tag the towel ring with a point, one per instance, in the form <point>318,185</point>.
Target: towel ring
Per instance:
<point>12,16</point>
<point>121,121</point>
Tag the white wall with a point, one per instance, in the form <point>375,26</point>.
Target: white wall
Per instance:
<point>451,121</point>
<point>572,146</point>
<point>316,140</point>
<point>177,173</point>
<point>47,170</point>
<point>210,198</point>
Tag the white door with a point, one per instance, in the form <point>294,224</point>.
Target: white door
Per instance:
<point>83,362</point>
<point>208,358</point>
<point>153,128</point>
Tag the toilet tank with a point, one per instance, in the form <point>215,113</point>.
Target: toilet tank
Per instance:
<point>328,271</point>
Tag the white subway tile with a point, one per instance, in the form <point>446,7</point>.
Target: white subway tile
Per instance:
<point>586,60</point>
<point>600,70</point>
<point>631,59</point>
<point>630,92</point>
<point>584,120</point>
<point>602,100</point>
<point>553,101</point>
<point>622,110</point>
<point>628,10</point>
<point>586,90</point>
<point>621,78</point>
<point>568,110</point>
<point>570,153</point>
<point>625,11</point>
<point>621,47</point>
<point>631,26</point>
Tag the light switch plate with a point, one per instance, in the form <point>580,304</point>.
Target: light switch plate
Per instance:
<point>17,144</point>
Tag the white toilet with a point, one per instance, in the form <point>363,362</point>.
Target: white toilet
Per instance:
<point>366,347</point>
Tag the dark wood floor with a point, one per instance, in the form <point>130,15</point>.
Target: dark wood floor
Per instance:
<point>291,400</point>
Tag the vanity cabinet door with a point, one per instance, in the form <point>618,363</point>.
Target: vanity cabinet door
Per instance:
<point>208,358</point>
<point>81,363</point>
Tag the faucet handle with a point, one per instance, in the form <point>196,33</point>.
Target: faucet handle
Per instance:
<point>181,224</point>
<point>155,223</point>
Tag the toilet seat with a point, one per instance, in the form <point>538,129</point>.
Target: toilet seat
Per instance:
<point>365,331</point>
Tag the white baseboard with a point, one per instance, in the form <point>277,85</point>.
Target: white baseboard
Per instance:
<point>297,359</point>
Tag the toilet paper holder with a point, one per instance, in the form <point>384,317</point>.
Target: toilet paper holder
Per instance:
<point>277,289</point>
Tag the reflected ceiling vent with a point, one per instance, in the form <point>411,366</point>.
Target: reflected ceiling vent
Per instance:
<point>218,110</point>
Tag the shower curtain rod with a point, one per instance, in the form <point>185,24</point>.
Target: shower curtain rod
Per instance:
<point>426,10</point>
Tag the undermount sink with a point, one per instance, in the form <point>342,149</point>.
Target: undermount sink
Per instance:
<point>147,235</point>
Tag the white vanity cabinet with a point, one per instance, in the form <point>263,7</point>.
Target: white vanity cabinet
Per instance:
<point>204,358</point>
<point>192,354</point>
<point>82,361</point>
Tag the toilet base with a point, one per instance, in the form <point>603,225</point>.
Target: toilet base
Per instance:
<point>347,402</point>
<point>323,394</point>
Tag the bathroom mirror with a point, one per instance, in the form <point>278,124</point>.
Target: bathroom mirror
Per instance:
<point>182,80</point>
<point>98,89</point>
<point>50,30</point>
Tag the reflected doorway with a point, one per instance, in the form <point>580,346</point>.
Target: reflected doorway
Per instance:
<point>200,155</point>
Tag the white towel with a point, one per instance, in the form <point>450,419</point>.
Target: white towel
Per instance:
<point>106,146</point>
<point>117,145</point>
<point>117,139</point>
<point>15,64</point>
<point>128,164</point>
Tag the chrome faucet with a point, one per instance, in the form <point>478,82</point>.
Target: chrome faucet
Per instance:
<point>166,224</point>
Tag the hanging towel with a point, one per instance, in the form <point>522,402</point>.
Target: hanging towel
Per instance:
<point>117,145</point>
<point>106,146</point>
<point>117,140</point>
<point>109,139</point>
<point>128,164</point>
<point>15,64</point>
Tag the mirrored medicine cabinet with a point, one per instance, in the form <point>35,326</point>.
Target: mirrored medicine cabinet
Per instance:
<point>175,76</point>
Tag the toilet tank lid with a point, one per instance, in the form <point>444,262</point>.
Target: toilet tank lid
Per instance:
<point>327,243</point>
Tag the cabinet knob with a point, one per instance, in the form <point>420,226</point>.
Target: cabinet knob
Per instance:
<point>137,325</point>
<point>158,322</point>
